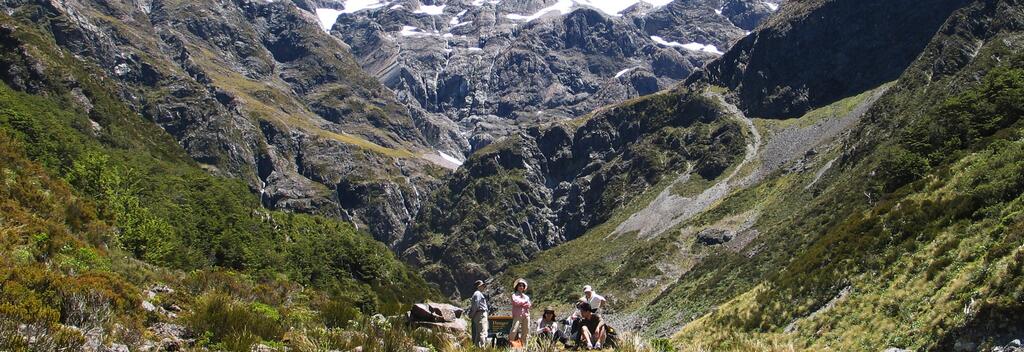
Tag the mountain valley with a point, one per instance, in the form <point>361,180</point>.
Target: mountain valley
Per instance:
<point>752,175</point>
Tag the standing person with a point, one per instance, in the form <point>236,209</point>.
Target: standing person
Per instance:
<point>521,311</point>
<point>595,300</point>
<point>478,309</point>
<point>592,329</point>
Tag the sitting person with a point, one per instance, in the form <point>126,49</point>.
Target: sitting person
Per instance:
<point>573,324</point>
<point>592,331</point>
<point>547,328</point>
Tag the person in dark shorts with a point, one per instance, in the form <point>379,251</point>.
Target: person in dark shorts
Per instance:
<point>592,331</point>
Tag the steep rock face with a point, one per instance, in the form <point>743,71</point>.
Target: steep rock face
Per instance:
<point>821,51</point>
<point>746,14</point>
<point>256,90</point>
<point>489,68</point>
<point>547,185</point>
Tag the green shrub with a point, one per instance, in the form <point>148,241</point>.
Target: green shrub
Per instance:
<point>233,322</point>
<point>899,166</point>
<point>662,345</point>
<point>338,314</point>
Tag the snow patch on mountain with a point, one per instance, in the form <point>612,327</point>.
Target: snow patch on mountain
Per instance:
<point>327,18</point>
<point>353,6</point>
<point>430,10</point>
<point>609,7</point>
<point>410,31</point>
<point>450,158</point>
<point>620,73</point>
<point>694,46</point>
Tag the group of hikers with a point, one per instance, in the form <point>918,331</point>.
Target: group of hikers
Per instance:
<point>583,329</point>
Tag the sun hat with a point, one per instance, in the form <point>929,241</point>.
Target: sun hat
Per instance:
<point>587,288</point>
<point>520,281</point>
<point>478,283</point>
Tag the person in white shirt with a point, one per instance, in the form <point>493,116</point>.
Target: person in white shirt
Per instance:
<point>595,300</point>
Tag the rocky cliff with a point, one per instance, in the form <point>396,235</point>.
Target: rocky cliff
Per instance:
<point>258,91</point>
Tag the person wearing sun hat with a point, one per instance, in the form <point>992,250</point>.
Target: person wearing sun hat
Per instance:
<point>520,311</point>
<point>595,300</point>
<point>547,328</point>
<point>478,314</point>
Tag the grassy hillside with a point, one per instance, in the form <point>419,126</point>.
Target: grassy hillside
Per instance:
<point>888,218</point>
<point>100,204</point>
<point>932,259</point>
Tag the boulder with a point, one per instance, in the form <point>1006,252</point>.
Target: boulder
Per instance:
<point>435,312</point>
<point>712,237</point>
<point>116,347</point>
<point>262,348</point>
<point>172,331</point>
<point>437,316</point>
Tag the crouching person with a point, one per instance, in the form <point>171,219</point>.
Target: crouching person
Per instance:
<point>592,329</point>
<point>547,329</point>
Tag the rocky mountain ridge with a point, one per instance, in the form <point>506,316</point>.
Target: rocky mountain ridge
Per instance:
<point>489,67</point>
<point>768,82</point>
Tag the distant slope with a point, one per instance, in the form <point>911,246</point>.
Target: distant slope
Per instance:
<point>539,189</point>
<point>488,69</point>
<point>805,58</point>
